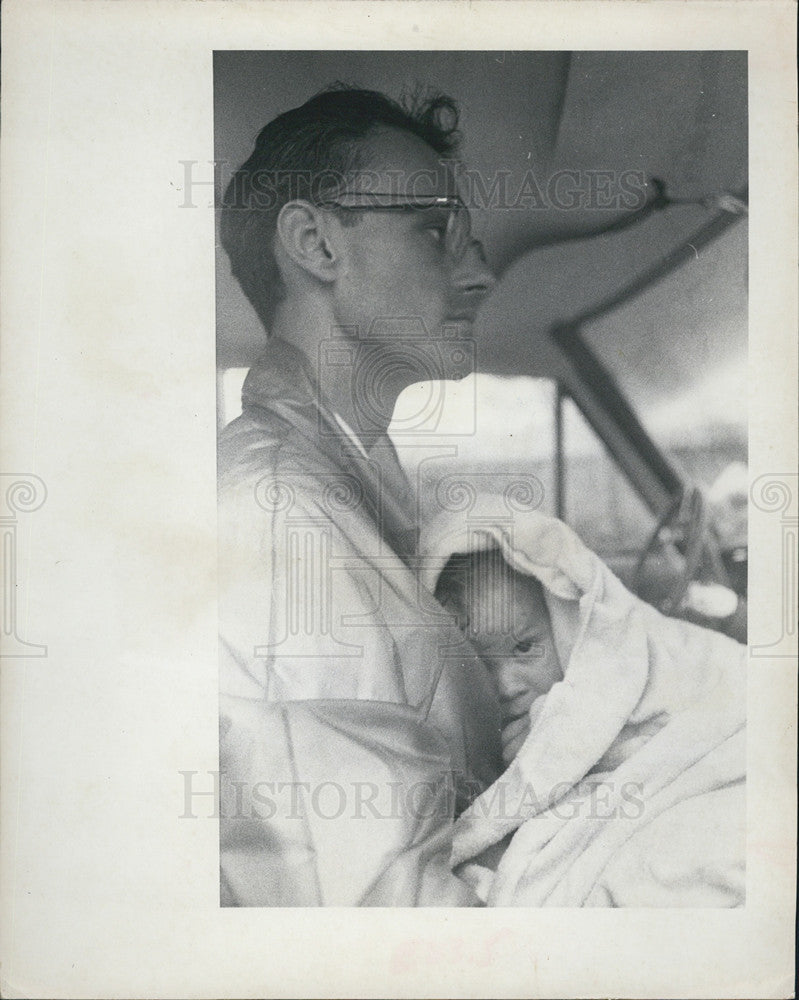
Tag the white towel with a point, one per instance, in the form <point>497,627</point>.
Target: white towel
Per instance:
<point>655,704</point>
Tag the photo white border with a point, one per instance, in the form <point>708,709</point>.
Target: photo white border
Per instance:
<point>108,396</point>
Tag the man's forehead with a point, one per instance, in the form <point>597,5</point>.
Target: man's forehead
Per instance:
<point>400,163</point>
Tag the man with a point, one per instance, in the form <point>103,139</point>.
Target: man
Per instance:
<point>355,720</point>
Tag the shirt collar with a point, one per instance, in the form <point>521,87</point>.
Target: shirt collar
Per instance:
<point>281,374</point>
<point>350,434</point>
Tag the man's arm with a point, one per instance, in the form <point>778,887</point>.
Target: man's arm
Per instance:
<point>334,804</point>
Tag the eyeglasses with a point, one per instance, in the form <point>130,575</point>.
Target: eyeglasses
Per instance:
<point>458,230</point>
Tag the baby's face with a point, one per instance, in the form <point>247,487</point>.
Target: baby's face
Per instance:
<point>523,659</point>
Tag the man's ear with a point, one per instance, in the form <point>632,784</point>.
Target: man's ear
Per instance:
<point>303,231</point>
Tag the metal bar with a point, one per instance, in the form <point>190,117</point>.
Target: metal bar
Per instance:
<point>709,232</point>
<point>560,463</point>
<point>599,380</point>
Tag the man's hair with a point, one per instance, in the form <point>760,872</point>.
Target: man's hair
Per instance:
<point>312,151</point>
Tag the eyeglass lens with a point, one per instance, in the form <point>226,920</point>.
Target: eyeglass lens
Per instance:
<point>458,231</point>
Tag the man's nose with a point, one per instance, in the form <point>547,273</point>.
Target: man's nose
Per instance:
<point>473,279</point>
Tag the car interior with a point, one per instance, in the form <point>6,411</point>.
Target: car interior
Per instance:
<point>609,191</point>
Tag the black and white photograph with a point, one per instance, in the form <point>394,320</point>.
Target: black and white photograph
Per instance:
<point>483,534</point>
<point>398,443</point>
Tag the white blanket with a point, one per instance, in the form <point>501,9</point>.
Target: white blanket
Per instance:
<point>629,789</point>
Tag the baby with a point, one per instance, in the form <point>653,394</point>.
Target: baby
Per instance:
<point>505,615</point>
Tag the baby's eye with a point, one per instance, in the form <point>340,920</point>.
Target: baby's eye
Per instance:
<point>524,646</point>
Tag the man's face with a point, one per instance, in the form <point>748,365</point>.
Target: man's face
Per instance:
<point>396,267</point>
